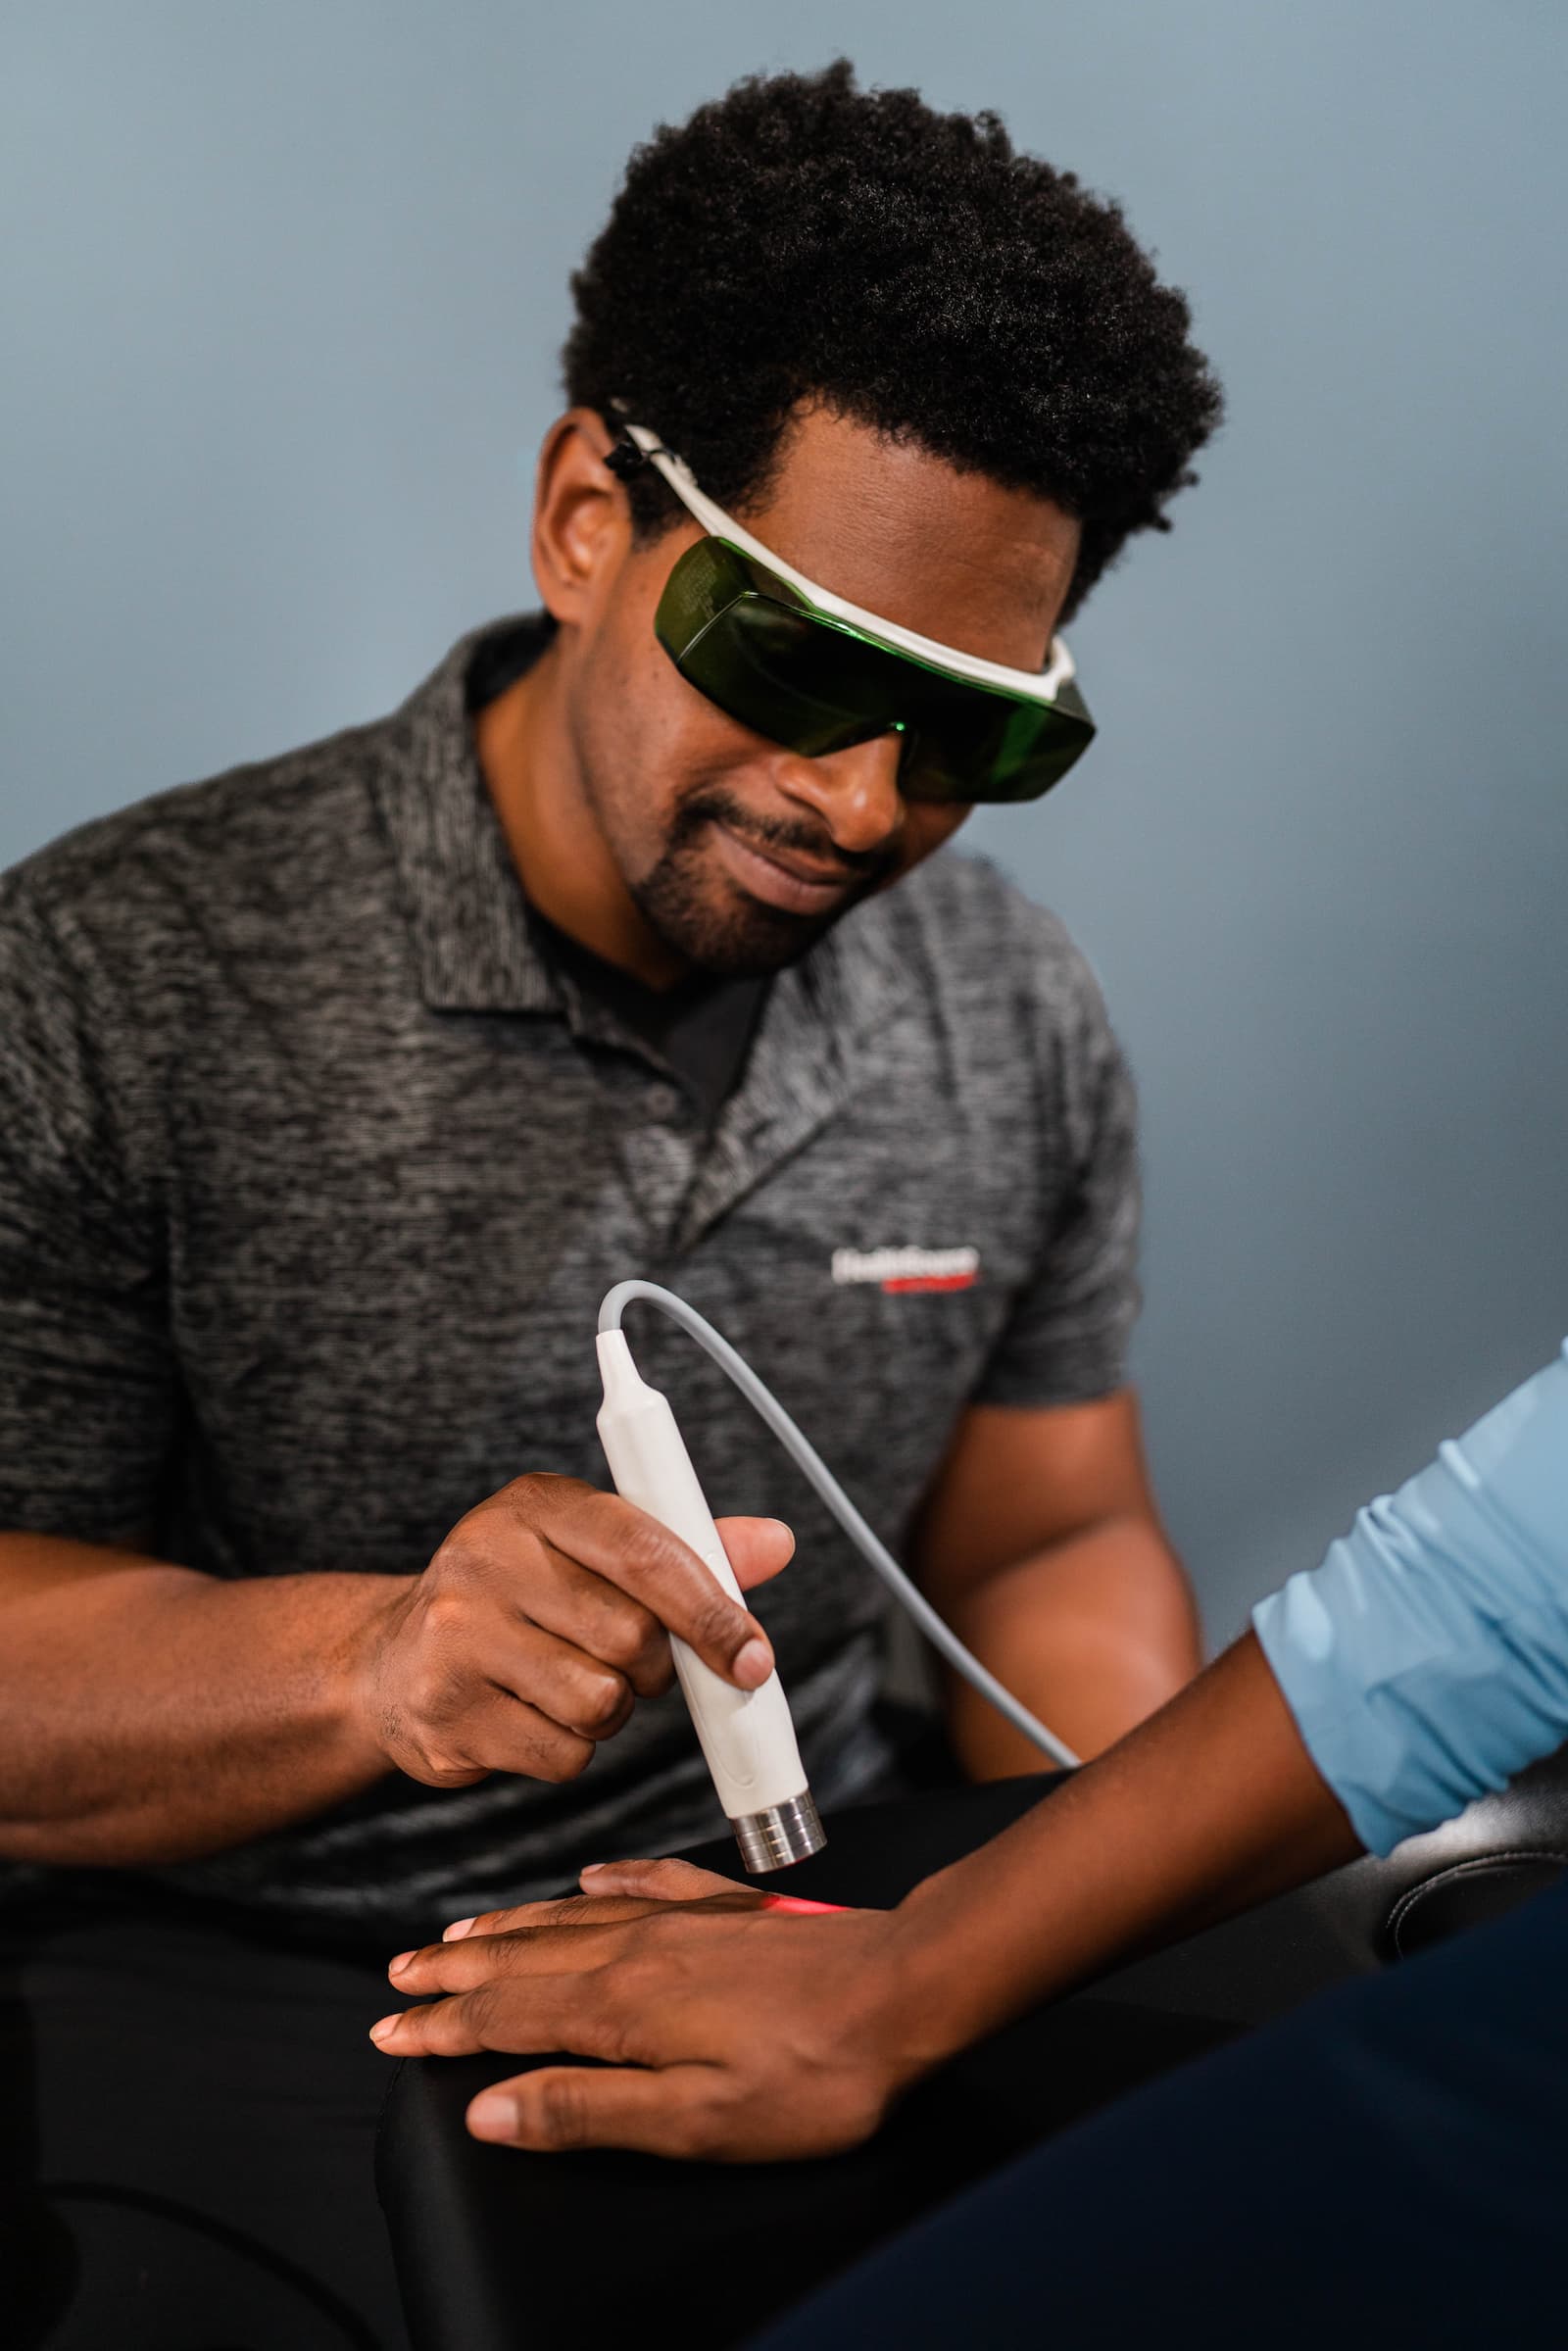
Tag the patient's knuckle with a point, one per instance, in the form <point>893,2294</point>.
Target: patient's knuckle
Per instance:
<point>698,2126</point>
<point>634,1987</point>
<point>479,2010</point>
<point>561,2108</point>
<point>475,1960</point>
<point>572,1910</point>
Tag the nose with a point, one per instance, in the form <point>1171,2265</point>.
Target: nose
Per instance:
<point>854,793</point>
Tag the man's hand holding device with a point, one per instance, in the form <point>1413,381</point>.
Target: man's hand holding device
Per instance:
<point>539,1623</point>
<point>541,1619</point>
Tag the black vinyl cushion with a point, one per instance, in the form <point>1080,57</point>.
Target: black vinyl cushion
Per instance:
<point>1467,1895</point>
<point>1500,1850</point>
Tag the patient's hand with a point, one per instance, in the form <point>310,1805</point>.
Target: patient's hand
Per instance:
<point>731,2029</point>
<point>542,1617</point>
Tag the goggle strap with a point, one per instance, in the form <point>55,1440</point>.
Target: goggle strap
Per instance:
<point>625,458</point>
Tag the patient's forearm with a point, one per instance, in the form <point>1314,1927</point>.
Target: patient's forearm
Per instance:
<point>149,1713</point>
<point>1211,1805</point>
<point>1093,1635</point>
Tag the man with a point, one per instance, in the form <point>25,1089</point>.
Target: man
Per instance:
<point>335,1092</point>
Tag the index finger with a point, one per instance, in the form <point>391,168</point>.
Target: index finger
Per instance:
<point>549,1946</point>
<point>658,1882</point>
<point>627,1548</point>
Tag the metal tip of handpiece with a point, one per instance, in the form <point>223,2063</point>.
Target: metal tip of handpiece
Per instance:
<point>782,1834</point>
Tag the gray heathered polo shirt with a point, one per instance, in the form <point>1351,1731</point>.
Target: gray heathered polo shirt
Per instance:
<point>313,1175</point>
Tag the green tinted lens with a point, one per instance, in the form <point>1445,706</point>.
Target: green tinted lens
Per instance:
<point>761,656</point>
<point>754,647</point>
<point>968,743</point>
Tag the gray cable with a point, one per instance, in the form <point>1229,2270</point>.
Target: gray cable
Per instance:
<point>804,1453</point>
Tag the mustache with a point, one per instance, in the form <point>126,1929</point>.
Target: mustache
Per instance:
<point>766,833</point>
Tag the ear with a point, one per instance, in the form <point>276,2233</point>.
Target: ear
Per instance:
<point>582,520</point>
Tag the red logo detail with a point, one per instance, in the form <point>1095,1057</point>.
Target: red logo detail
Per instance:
<point>933,1281</point>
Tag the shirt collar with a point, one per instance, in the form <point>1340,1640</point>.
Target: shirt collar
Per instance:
<point>467,910</point>
<point>459,891</point>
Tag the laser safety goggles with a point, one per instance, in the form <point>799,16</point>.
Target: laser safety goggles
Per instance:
<point>801,666</point>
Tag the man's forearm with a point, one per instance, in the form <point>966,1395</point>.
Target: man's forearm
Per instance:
<point>1211,1805</point>
<point>1092,1634</point>
<point>149,1713</point>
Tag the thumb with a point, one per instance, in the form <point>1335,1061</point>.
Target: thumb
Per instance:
<point>756,1547</point>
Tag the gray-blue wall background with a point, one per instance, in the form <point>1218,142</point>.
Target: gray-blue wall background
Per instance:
<point>283,289</point>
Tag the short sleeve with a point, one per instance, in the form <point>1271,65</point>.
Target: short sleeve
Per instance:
<point>87,1382</point>
<point>1065,1340</point>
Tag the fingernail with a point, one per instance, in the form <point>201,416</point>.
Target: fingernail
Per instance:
<point>457,1929</point>
<point>784,1529</point>
<point>592,1869</point>
<point>395,1967</point>
<point>383,2032</point>
<point>752,1664</point>
<point>493,2116</point>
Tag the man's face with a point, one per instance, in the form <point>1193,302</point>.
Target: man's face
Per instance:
<point>737,852</point>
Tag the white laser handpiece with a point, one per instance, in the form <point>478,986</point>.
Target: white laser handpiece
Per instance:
<point>747,1736</point>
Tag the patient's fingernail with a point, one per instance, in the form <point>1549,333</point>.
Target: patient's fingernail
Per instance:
<point>493,2116</point>
<point>395,1967</point>
<point>752,1665</point>
<point>383,2032</point>
<point>593,1869</point>
<point>457,1929</point>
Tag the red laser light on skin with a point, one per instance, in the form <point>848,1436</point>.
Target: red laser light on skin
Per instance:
<point>798,1906</point>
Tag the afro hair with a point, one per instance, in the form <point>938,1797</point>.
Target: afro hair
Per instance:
<point>803,242</point>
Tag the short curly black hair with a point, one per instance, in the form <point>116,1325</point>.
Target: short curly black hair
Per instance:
<point>801,239</point>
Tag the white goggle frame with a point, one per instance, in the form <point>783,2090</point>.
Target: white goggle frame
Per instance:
<point>1037,685</point>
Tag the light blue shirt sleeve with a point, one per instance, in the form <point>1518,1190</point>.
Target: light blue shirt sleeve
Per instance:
<point>1425,1661</point>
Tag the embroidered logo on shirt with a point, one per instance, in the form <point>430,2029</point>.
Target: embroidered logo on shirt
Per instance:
<point>908,1268</point>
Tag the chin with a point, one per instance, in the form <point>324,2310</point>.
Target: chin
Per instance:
<point>750,950</point>
<point>733,937</point>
